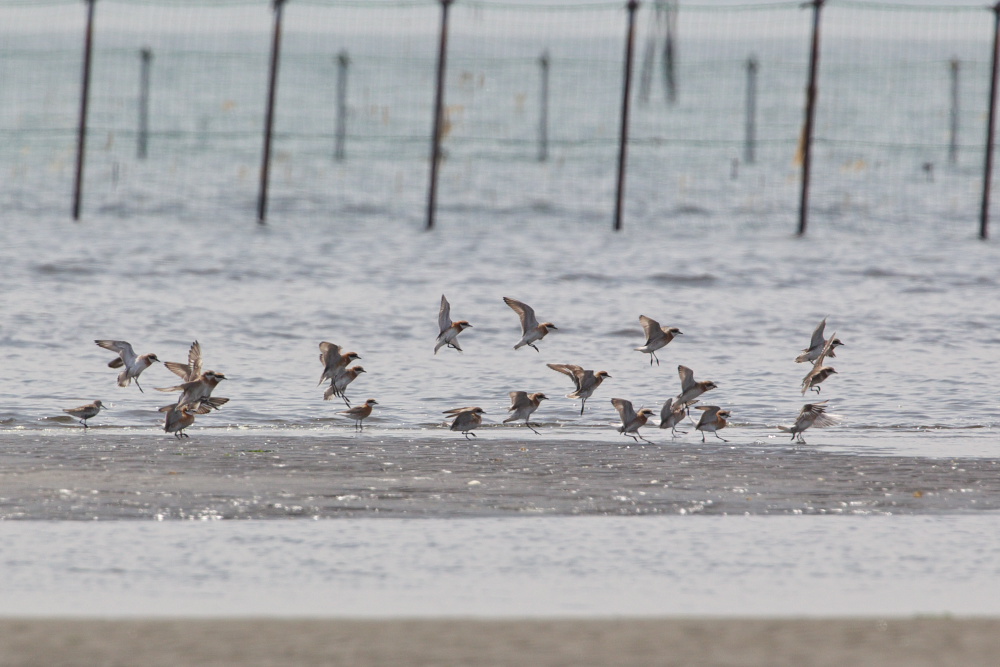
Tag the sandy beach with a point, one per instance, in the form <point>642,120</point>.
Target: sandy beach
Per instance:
<point>684,641</point>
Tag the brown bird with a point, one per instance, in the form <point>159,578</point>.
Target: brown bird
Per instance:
<point>448,330</point>
<point>339,385</point>
<point>134,364</point>
<point>816,345</point>
<point>656,337</point>
<point>819,372</point>
<point>522,405</point>
<point>690,389</point>
<point>359,413</point>
<point>712,421</point>
<point>586,381</point>
<point>811,414</point>
<point>85,412</point>
<point>671,415</point>
<point>531,330</point>
<point>632,421</point>
<point>334,360</point>
<point>465,420</point>
<point>177,419</point>
<point>198,393</point>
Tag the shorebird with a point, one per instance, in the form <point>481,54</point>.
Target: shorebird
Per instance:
<point>531,330</point>
<point>671,415</point>
<point>192,369</point>
<point>712,421</point>
<point>817,344</point>
<point>134,364</point>
<point>448,330</point>
<point>334,360</point>
<point>466,419</point>
<point>811,414</point>
<point>197,394</point>
<point>632,421</point>
<point>85,412</point>
<point>656,337</point>
<point>177,419</point>
<point>339,384</point>
<point>522,405</point>
<point>819,372</point>
<point>586,381</point>
<point>359,413</point>
<point>690,389</point>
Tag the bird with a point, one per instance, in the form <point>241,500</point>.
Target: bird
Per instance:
<point>586,381</point>
<point>712,421</point>
<point>816,345</point>
<point>448,330</point>
<point>819,372</point>
<point>672,413</point>
<point>177,419</point>
<point>811,414</point>
<point>85,412</point>
<point>134,364</point>
<point>632,421</point>
<point>656,337</point>
<point>531,330</point>
<point>466,419</point>
<point>334,360</point>
<point>197,394</point>
<point>690,389</point>
<point>522,405</point>
<point>192,369</point>
<point>339,384</point>
<point>359,413</point>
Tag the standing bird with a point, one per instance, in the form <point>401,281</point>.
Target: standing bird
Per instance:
<point>466,419</point>
<point>671,415</point>
<point>816,345</point>
<point>812,414</point>
<point>656,337</point>
<point>334,360</point>
<point>85,412</point>
<point>712,421</point>
<point>197,394</point>
<point>448,330</point>
<point>134,364</point>
<point>177,419</point>
<point>632,421</point>
<point>359,413</point>
<point>819,372</point>
<point>522,405</point>
<point>531,330</point>
<point>586,381</point>
<point>339,384</point>
<point>690,389</point>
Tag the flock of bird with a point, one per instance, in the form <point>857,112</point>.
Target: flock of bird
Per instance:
<point>197,386</point>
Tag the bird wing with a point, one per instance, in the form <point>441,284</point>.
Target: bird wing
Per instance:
<point>327,352</point>
<point>711,414</point>
<point>576,373</point>
<point>817,337</point>
<point>518,400</point>
<point>687,378</point>
<point>194,360</point>
<point>121,348</point>
<point>816,409</point>
<point>625,410</point>
<point>652,329</point>
<point>458,411</point>
<point>444,315</point>
<point>182,370</point>
<point>525,312</point>
<point>826,351</point>
<point>667,410</point>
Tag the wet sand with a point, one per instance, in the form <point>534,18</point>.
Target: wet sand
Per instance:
<point>745,642</point>
<point>146,475</point>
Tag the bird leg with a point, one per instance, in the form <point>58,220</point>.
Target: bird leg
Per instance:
<point>718,436</point>
<point>137,384</point>
<point>529,426</point>
<point>652,355</point>
<point>582,406</point>
<point>468,433</point>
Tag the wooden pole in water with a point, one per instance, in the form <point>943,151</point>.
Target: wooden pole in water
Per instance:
<point>984,214</point>
<point>953,115</point>
<point>751,122</point>
<point>810,117</point>
<point>342,62</point>
<point>272,88</point>
<point>147,56</point>
<point>543,115</point>
<point>632,6</point>
<point>81,133</point>
<point>438,114</point>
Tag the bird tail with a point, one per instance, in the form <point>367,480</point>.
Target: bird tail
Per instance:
<point>123,379</point>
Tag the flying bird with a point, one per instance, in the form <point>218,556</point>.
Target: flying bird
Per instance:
<point>811,414</point>
<point>133,364</point>
<point>819,372</point>
<point>656,337</point>
<point>197,394</point>
<point>632,421</point>
<point>465,420</point>
<point>712,421</point>
<point>334,360</point>
<point>586,381</point>
<point>672,413</point>
<point>522,405</point>
<point>359,413</point>
<point>448,330</point>
<point>531,330</point>
<point>192,369</point>
<point>690,389</point>
<point>85,412</point>
<point>816,345</point>
<point>339,385</point>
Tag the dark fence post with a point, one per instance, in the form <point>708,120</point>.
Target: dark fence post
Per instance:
<point>669,50</point>
<point>632,6</point>
<point>438,114</point>
<point>953,115</point>
<point>272,88</point>
<point>810,116</point>
<point>751,121</point>
<point>143,138</point>
<point>543,115</point>
<point>342,62</point>
<point>984,214</point>
<point>81,132</point>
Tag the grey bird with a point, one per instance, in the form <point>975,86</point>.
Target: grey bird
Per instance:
<point>632,421</point>
<point>448,330</point>
<point>339,384</point>
<point>466,419</point>
<point>85,412</point>
<point>523,405</point>
<point>690,389</point>
<point>133,363</point>
<point>531,330</point>
<point>811,414</point>
<point>334,360</point>
<point>816,345</point>
<point>819,372</point>
<point>671,415</point>
<point>586,381</point>
<point>656,337</point>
